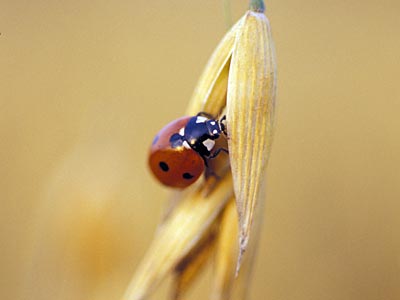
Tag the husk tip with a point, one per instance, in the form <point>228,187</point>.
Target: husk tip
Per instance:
<point>243,242</point>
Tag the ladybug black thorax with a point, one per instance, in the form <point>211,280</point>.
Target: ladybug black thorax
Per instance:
<point>199,134</point>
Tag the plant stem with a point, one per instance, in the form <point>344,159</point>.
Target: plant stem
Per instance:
<point>257,5</point>
<point>227,13</point>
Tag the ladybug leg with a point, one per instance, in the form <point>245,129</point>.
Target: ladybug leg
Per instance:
<point>218,151</point>
<point>211,172</point>
<point>222,124</point>
<point>205,159</point>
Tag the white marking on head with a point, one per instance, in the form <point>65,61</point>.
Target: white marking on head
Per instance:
<point>201,119</point>
<point>212,122</point>
<point>215,131</point>
<point>182,131</point>
<point>186,145</point>
<point>209,144</point>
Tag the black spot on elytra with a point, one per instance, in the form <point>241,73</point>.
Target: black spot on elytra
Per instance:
<point>163,166</point>
<point>187,176</point>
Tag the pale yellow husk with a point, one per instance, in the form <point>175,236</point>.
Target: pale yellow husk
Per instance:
<point>175,238</point>
<point>226,254</point>
<point>250,114</point>
<point>190,267</point>
<point>226,285</point>
<point>210,93</point>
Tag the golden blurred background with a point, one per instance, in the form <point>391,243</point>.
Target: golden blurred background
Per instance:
<point>84,85</point>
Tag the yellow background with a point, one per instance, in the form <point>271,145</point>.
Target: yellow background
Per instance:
<point>84,85</point>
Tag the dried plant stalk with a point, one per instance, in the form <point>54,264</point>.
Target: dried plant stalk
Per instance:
<point>226,254</point>
<point>177,236</point>
<point>189,268</point>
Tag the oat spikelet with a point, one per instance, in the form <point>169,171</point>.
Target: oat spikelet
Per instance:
<point>239,81</point>
<point>250,114</point>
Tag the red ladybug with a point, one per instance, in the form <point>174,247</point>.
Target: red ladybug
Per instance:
<point>179,152</point>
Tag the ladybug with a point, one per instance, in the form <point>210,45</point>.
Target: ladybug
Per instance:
<point>180,152</point>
